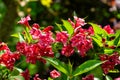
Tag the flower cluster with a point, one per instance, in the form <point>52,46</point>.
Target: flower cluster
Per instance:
<point>8,58</point>
<point>81,38</point>
<point>111,61</point>
<point>35,51</point>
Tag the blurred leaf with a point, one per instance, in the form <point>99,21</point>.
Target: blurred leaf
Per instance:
<point>97,41</point>
<point>15,72</point>
<point>59,26</point>
<point>19,36</point>
<point>86,66</point>
<point>108,51</point>
<point>117,39</point>
<point>17,78</point>
<point>68,26</point>
<point>108,77</point>
<point>97,72</point>
<point>58,65</point>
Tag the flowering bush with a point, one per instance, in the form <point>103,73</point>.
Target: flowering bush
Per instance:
<point>92,54</point>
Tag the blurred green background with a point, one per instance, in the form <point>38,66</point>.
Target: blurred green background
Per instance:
<point>47,12</point>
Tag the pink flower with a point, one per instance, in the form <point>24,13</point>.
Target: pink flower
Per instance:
<point>67,50</point>
<point>88,77</point>
<point>82,43</point>
<point>62,37</point>
<point>22,47</point>
<point>36,77</point>
<point>117,78</point>
<point>54,74</point>
<point>26,74</point>
<point>35,32</point>
<point>79,22</point>
<point>108,29</point>
<point>111,61</point>
<point>24,21</point>
<point>8,58</point>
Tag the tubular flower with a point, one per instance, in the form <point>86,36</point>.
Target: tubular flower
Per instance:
<point>24,21</point>
<point>35,32</point>
<point>79,22</point>
<point>26,74</point>
<point>89,77</point>
<point>111,61</point>
<point>8,58</point>
<point>82,43</point>
<point>62,37</point>
<point>108,29</point>
<point>36,77</point>
<point>54,74</point>
<point>67,50</point>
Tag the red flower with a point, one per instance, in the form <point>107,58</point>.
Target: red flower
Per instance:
<point>47,29</point>
<point>54,74</point>
<point>67,50</point>
<point>24,21</point>
<point>36,77</point>
<point>108,29</point>
<point>88,77</point>
<point>79,22</point>
<point>22,47</point>
<point>62,37</point>
<point>26,74</point>
<point>8,58</point>
<point>82,42</point>
<point>35,32</point>
<point>111,61</point>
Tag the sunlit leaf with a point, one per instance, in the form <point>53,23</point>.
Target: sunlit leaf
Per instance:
<point>86,66</point>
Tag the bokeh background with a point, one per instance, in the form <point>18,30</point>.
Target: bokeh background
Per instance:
<point>49,12</point>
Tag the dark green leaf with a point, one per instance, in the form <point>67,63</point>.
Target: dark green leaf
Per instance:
<point>59,26</point>
<point>86,66</point>
<point>117,39</point>
<point>58,65</point>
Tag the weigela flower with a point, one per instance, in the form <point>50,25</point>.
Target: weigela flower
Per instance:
<point>8,58</point>
<point>62,37</point>
<point>82,42</point>
<point>54,74</point>
<point>24,21</point>
<point>108,29</point>
<point>79,22</point>
<point>67,50</point>
<point>89,77</point>
<point>36,77</point>
<point>22,47</point>
<point>111,61</point>
<point>35,31</point>
<point>26,74</point>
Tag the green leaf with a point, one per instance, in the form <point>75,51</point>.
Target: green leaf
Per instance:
<point>98,29</point>
<point>116,41</point>
<point>68,26</point>
<point>97,41</point>
<point>97,72</point>
<point>86,66</point>
<point>15,72</point>
<point>108,51</point>
<point>59,26</point>
<point>19,36</point>
<point>58,65</point>
<point>17,78</point>
<point>108,77</point>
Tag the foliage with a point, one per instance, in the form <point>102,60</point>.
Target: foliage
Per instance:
<point>97,51</point>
